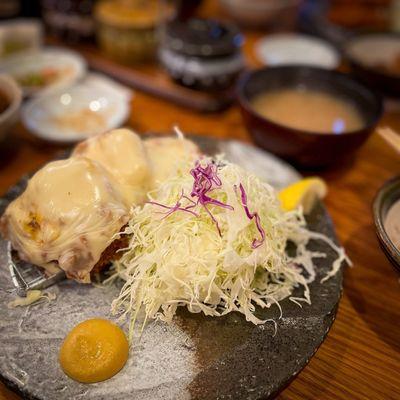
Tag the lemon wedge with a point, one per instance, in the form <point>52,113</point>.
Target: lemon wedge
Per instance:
<point>303,193</point>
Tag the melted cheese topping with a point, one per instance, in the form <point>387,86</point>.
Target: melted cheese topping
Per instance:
<point>68,213</point>
<point>72,209</point>
<point>122,154</point>
<point>165,154</point>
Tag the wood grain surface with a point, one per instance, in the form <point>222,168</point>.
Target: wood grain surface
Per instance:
<point>360,358</point>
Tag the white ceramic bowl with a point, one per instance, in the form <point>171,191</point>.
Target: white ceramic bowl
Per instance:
<point>69,66</point>
<point>76,113</point>
<point>296,49</point>
<point>9,117</point>
<point>261,13</point>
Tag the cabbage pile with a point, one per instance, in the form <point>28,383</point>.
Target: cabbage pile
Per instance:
<point>213,238</point>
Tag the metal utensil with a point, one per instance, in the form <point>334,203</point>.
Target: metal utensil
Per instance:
<point>26,276</point>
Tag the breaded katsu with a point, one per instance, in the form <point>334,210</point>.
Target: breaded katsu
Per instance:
<point>72,210</point>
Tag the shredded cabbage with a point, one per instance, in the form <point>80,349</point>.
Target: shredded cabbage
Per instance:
<point>32,297</point>
<point>177,258</point>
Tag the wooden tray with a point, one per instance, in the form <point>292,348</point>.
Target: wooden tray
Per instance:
<point>152,79</point>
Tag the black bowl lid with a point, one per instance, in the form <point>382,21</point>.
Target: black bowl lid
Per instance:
<point>203,37</point>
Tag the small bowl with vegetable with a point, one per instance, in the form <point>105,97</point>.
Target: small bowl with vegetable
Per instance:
<point>10,103</point>
<point>310,116</point>
<point>45,71</point>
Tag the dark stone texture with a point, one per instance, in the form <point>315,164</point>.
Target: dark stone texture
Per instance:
<point>196,357</point>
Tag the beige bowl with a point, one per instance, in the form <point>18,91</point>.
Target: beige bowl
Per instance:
<point>262,13</point>
<point>127,31</point>
<point>9,117</point>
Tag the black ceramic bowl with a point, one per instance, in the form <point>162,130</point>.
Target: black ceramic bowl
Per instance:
<point>368,54</point>
<point>385,198</point>
<point>305,148</point>
<point>202,54</point>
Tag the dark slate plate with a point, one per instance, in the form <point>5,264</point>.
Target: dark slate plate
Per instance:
<point>196,357</point>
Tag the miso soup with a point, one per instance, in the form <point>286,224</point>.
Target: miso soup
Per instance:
<point>309,110</point>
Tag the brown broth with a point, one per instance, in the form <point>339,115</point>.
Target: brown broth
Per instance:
<point>308,110</point>
<point>4,102</point>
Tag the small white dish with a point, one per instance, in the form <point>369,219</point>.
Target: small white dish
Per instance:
<point>103,82</point>
<point>295,49</point>
<point>78,112</point>
<point>45,71</point>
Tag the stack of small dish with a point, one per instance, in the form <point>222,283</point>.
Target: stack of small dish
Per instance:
<point>92,106</point>
<point>64,103</point>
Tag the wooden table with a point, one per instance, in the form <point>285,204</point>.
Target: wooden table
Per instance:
<point>360,358</point>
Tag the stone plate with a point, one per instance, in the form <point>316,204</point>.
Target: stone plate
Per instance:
<point>195,357</point>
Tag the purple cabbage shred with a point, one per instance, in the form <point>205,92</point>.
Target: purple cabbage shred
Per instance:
<point>205,181</point>
<point>256,242</point>
<point>177,206</point>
